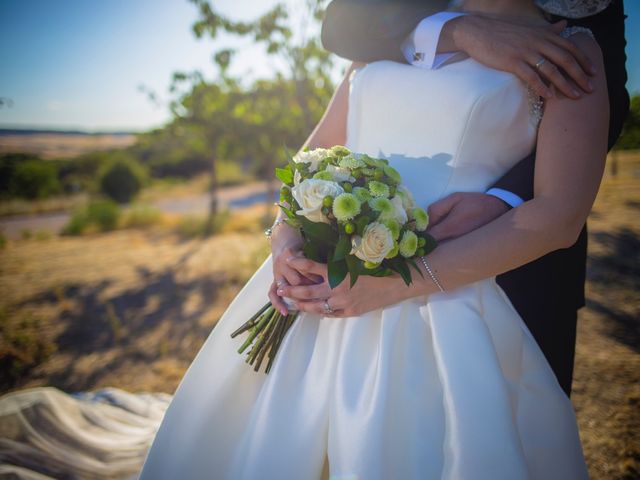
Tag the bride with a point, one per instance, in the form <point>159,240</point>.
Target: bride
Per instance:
<point>441,379</point>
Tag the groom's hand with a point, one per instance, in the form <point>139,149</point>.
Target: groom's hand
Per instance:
<point>462,212</point>
<point>538,55</point>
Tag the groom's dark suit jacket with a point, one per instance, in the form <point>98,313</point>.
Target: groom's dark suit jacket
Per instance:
<point>547,292</point>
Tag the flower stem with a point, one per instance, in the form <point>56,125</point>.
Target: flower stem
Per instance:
<point>264,318</point>
<point>251,322</point>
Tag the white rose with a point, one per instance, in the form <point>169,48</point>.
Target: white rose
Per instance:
<point>407,198</point>
<point>376,242</point>
<point>340,174</point>
<point>309,194</point>
<point>297,177</point>
<point>398,213</point>
<point>312,157</point>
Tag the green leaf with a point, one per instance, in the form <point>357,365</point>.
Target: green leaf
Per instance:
<point>285,175</point>
<point>319,232</point>
<point>431,244</point>
<point>399,265</point>
<point>343,247</point>
<point>412,262</point>
<point>288,212</point>
<point>337,271</point>
<point>378,272</point>
<point>355,267</point>
<point>312,252</point>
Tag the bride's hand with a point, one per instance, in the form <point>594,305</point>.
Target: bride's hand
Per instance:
<point>368,293</point>
<point>286,242</point>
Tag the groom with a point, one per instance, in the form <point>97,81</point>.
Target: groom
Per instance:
<point>549,291</point>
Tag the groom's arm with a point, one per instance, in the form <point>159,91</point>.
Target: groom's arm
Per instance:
<point>369,30</point>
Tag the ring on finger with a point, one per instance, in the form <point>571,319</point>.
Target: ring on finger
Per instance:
<point>327,307</point>
<point>540,62</point>
<point>280,283</point>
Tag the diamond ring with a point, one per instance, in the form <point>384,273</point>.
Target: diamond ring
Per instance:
<point>541,62</point>
<point>280,283</point>
<point>327,307</point>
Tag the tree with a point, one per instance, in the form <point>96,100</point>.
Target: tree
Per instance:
<point>121,179</point>
<point>240,122</point>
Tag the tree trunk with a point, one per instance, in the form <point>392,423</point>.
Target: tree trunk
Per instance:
<point>213,200</point>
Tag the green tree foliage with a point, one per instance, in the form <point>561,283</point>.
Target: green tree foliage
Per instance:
<point>630,137</point>
<point>250,124</point>
<point>28,177</point>
<point>122,178</point>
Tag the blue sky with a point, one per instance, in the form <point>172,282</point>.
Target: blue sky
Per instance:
<point>77,64</point>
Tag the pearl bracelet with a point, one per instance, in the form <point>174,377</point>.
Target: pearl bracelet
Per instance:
<point>431,274</point>
<point>269,231</point>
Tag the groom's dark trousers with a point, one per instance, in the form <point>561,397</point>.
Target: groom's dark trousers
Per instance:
<point>546,292</point>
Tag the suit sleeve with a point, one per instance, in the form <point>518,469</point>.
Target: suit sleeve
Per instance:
<point>519,179</point>
<point>369,30</point>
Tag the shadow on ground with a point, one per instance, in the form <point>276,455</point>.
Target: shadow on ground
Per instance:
<point>613,274</point>
<point>141,324</point>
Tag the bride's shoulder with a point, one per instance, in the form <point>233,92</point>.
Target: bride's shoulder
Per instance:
<point>584,39</point>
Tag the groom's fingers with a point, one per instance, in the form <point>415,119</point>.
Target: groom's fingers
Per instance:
<point>437,211</point>
<point>573,61</point>
<point>528,75</point>
<point>559,66</point>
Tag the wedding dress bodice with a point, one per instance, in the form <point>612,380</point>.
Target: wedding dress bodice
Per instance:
<point>477,123</point>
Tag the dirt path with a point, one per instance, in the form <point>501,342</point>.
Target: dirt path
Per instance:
<point>229,197</point>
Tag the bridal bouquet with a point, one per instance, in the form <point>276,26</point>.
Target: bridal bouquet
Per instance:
<point>356,216</point>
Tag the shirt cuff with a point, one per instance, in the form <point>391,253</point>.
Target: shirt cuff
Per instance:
<point>420,47</point>
<point>506,196</point>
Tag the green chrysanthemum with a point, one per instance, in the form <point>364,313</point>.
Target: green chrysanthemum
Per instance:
<point>362,194</point>
<point>393,252</point>
<point>378,189</point>
<point>392,173</point>
<point>324,175</point>
<point>394,226</point>
<point>408,244</point>
<point>339,151</point>
<point>345,207</point>
<point>382,205</point>
<point>421,218</point>
<point>350,162</point>
<point>374,162</point>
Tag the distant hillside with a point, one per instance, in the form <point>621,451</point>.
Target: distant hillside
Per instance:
<point>61,144</point>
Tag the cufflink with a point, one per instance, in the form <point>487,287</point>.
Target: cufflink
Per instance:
<point>418,56</point>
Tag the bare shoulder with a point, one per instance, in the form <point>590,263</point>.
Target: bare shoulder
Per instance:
<point>585,41</point>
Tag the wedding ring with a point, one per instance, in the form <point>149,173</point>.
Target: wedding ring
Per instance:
<point>280,283</point>
<point>327,307</point>
<point>540,63</point>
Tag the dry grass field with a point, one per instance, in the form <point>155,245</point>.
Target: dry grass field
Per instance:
<point>62,145</point>
<point>131,309</point>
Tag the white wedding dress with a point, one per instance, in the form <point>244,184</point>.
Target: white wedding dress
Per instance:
<point>452,386</point>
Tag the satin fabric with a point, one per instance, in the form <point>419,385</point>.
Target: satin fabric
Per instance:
<point>450,386</point>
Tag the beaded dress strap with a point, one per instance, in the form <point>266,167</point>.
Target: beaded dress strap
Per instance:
<point>536,103</point>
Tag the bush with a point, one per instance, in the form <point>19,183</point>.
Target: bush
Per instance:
<point>122,179</point>
<point>142,216</point>
<point>23,348</point>
<point>193,226</point>
<point>34,179</point>
<point>100,215</point>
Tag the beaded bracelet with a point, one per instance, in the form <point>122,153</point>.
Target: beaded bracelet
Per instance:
<point>431,274</point>
<point>269,231</point>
